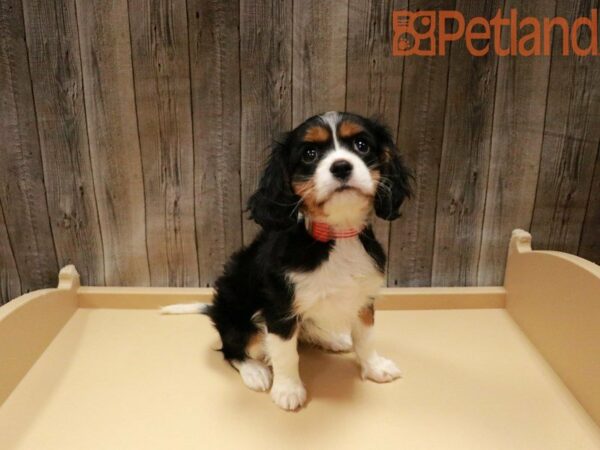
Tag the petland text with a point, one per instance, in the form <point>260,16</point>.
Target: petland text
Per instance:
<point>426,33</point>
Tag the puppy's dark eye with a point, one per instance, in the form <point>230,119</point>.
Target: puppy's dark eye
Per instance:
<point>361,146</point>
<point>309,155</point>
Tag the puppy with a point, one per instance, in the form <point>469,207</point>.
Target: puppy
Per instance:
<point>314,270</point>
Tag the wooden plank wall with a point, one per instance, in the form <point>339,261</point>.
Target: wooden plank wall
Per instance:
<point>465,157</point>
<point>23,193</point>
<point>132,133</point>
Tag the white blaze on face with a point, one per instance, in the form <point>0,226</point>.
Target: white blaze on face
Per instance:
<point>347,207</point>
<point>325,182</point>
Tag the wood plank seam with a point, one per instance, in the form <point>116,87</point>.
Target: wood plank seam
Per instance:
<point>87,132</point>
<point>537,184</point>
<point>590,193</point>
<point>12,253</point>
<point>190,87</point>
<point>487,176</point>
<point>592,214</point>
<point>397,139</point>
<point>439,186</point>
<point>137,127</point>
<point>37,128</point>
<point>240,186</point>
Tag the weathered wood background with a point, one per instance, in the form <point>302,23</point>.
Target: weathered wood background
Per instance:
<point>133,131</point>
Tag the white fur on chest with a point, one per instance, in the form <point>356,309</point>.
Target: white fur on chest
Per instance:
<point>332,295</point>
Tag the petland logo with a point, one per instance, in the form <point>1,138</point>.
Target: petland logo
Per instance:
<point>426,33</point>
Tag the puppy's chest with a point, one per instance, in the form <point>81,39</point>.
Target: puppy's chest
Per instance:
<point>341,285</point>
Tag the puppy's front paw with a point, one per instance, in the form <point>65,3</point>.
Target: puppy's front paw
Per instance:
<point>288,394</point>
<point>380,369</point>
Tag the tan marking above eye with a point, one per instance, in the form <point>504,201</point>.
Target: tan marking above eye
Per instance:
<point>317,134</point>
<point>348,129</point>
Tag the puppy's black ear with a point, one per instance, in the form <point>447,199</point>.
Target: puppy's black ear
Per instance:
<point>394,185</point>
<point>274,204</point>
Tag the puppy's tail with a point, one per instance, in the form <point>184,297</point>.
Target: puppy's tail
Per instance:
<point>186,308</point>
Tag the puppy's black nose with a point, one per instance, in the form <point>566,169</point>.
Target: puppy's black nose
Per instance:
<point>341,169</point>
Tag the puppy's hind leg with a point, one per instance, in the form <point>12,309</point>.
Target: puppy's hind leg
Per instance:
<point>333,341</point>
<point>254,372</point>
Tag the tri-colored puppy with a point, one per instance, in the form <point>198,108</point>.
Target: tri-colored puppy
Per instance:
<point>315,268</point>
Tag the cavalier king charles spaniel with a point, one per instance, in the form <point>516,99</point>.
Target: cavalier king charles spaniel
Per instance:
<point>314,270</point>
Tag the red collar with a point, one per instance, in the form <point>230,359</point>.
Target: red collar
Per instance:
<point>323,232</point>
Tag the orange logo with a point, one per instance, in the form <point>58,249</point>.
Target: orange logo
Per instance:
<point>408,39</point>
<point>427,33</point>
